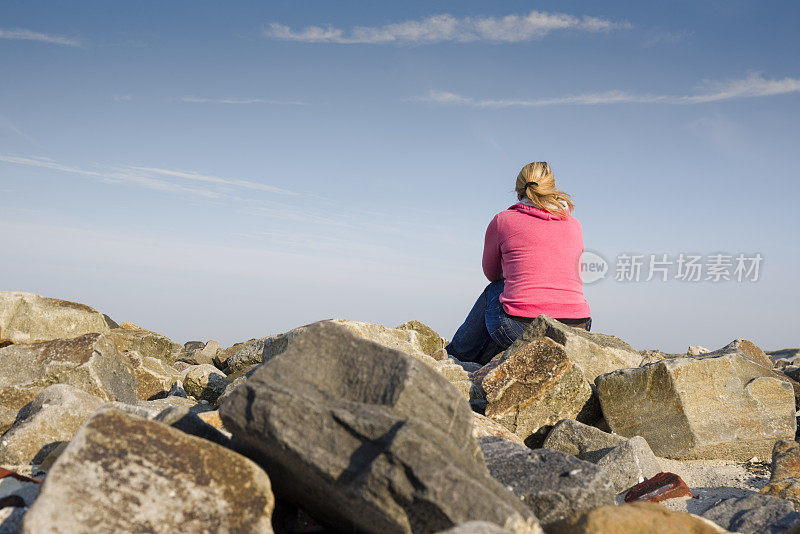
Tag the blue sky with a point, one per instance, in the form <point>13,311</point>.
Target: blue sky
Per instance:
<point>233,170</point>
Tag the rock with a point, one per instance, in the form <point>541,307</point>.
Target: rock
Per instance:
<point>7,418</point>
<point>205,382</point>
<point>185,420</point>
<point>366,438</point>
<point>584,441</point>
<point>24,490</point>
<point>630,463</point>
<point>696,351</point>
<point>53,417</point>
<point>146,343</point>
<point>476,527</point>
<point>784,357</point>
<point>754,514</point>
<point>154,378</point>
<point>751,351</point>
<point>159,405</point>
<point>90,362</point>
<point>52,456</point>
<point>173,482</point>
<point>229,389</point>
<point>535,386</point>
<point>177,390</point>
<point>29,318</point>
<point>661,487</point>
<point>784,481</point>
<point>640,518</point>
<point>213,419</point>
<point>408,341</point>
<point>428,340</point>
<point>700,407</point>
<point>484,427</point>
<point>204,356</point>
<point>593,353</point>
<point>10,519</point>
<point>554,485</point>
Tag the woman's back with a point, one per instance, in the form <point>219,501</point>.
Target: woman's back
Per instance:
<point>538,254</point>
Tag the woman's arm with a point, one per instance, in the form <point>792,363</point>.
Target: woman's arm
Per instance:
<point>492,267</point>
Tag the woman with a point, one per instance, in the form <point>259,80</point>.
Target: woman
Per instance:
<point>531,256</point>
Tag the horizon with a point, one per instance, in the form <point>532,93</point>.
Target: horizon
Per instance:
<point>233,172</point>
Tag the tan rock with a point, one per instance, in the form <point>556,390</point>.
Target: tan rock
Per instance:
<point>535,386</point>
<point>153,376</point>
<point>635,518</point>
<point>147,343</point>
<point>429,341</point>
<point>784,481</point>
<point>122,473</point>
<point>720,405</point>
<point>205,382</point>
<point>90,363</point>
<point>482,427</point>
<point>30,318</point>
<point>593,353</point>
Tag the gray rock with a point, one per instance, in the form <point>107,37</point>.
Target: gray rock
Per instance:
<point>90,362</point>
<point>177,390</point>
<point>7,418</point>
<point>27,491</point>
<point>584,441</point>
<point>721,405</point>
<point>202,356</point>
<point>122,473</point>
<point>53,417</point>
<point>630,463</point>
<point>160,405</point>
<point>554,485</point>
<point>367,438</point>
<point>754,514</point>
<point>429,341</point>
<point>10,519</point>
<point>29,318</point>
<point>229,389</point>
<point>205,382</point>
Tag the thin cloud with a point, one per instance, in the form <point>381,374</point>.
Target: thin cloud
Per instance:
<point>200,100</point>
<point>123,98</point>
<point>151,178</point>
<point>448,28</point>
<point>28,35</point>
<point>754,86</point>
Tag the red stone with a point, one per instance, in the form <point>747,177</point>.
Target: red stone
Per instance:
<point>660,487</point>
<point>22,478</point>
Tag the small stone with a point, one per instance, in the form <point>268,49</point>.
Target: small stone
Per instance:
<point>661,487</point>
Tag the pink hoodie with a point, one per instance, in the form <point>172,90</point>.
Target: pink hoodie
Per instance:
<point>538,254</point>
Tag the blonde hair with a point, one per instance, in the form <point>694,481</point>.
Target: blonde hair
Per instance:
<point>544,194</point>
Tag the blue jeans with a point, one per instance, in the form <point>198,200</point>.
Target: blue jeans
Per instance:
<point>488,328</point>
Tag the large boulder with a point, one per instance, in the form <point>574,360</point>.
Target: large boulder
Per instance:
<point>700,407</point>
<point>367,438</point>
<point>90,362</point>
<point>784,480</point>
<point>52,418</point>
<point>593,353</point>
<point>130,337</point>
<point>554,485</point>
<point>533,387</point>
<point>121,473</point>
<point>754,514</point>
<point>29,318</point>
<point>630,463</point>
<point>639,518</point>
<point>406,340</point>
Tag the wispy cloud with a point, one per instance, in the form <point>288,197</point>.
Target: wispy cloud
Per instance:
<point>753,86</point>
<point>200,100</point>
<point>448,28</point>
<point>123,98</point>
<point>213,187</point>
<point>28,35</point>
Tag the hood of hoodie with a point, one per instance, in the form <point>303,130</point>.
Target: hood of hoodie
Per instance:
<point>533,211</point>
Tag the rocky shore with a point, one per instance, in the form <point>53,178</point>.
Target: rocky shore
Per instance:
<point>344,426</point>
